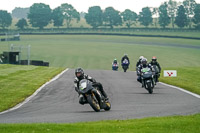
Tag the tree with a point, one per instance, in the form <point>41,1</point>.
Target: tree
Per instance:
<point>39,15</point>
<point>196,18</point>
<point>129,17</point>
<point>57,17</point>
<point>155,13</point>
<point>21,23</point>
<point>181,18</point>
<point>69,13</point>
<point>172,8</point>
<point>145,17</point>
<point>111,17</point>
<point>164,18</point>
<point>94,17</point>
<point>189,6</point>
<point>5,19</point>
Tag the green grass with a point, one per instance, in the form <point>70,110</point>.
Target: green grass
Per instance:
<point>97,52</point>
<point>18,82</point>
<point>187,78</point>
<point>175,124</point>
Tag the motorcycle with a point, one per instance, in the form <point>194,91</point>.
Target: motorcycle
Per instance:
<point>157,75</point>
<point>115,67</point>
<point>147,77</point>
<point>125,65</point>
<point>93,96</point>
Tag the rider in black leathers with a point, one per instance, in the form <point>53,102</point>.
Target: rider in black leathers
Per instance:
<point>139,61</point>
<point>141,66</point>
<point>79,76</point>
<point>154,62</point>
<point>125,57</point>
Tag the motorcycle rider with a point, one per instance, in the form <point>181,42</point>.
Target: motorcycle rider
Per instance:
<point>139,61</point>
<point>125,57</point>
<point>154,62</point>
<point>141,66</point>
<point>79,73</point>
<point>115,61</point>
<point>115,64</point>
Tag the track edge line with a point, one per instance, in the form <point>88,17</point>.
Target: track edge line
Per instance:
<point>181,89</point>
<point>35,93</point>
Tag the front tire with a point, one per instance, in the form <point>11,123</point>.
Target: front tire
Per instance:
<point>125,68</point>
<point>93,102</point>
<point>149,88</point>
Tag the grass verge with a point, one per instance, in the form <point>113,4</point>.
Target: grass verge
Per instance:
<point>173,124</point>
<point>187,78</point>
<point>97,52</point>
<point>18,82</point>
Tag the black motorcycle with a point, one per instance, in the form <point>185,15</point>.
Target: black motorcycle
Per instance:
<point>157,75</point>
<point>93,96</point>
<point>147,77</point>
<point>125,65</point>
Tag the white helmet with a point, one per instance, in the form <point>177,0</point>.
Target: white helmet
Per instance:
<point>141,57</point>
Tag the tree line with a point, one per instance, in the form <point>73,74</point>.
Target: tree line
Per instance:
<point>185,14</point>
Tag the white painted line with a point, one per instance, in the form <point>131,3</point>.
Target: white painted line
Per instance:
<point>181,89</point>
<point>193,94</point>
<point>35,93</point>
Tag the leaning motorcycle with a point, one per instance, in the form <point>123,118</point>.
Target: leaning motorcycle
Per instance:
<point>125,65</point>
<point>147,79</point>
<point>93,96</point>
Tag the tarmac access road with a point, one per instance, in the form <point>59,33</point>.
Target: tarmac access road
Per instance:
<point>58,102</point>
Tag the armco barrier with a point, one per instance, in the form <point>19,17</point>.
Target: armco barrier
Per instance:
<point>115,34</point>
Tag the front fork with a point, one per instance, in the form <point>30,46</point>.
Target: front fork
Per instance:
<point>143,83</point>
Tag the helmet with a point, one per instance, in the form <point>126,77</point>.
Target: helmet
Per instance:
<point>141,57</point>
<point>79,73</point>
<point>115,61</point>
<point>125,54</point>
<point>144,62</point>
<point>154,58</point>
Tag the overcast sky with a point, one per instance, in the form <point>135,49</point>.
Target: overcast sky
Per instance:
<point>83,5</point>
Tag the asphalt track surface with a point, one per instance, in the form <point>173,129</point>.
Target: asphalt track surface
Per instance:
<point>57,102</point>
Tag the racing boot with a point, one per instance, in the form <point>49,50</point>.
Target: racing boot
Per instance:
<point>105,95</point>
<point>82,99</point>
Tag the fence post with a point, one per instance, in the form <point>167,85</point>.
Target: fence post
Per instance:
<point>29,52</point>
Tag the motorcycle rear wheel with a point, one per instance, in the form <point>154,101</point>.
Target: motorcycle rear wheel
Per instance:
<point>108,106</point>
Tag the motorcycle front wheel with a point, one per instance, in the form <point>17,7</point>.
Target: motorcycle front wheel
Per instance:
<point>149,88</point>
<point>93,102</point>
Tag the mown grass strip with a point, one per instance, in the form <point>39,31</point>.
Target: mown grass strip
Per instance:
<point>97,52</point>
<point>173,124</point>
<point>187,78</point>
<point>18,82</point>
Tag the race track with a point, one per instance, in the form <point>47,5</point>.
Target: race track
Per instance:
<point>58,102</point>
